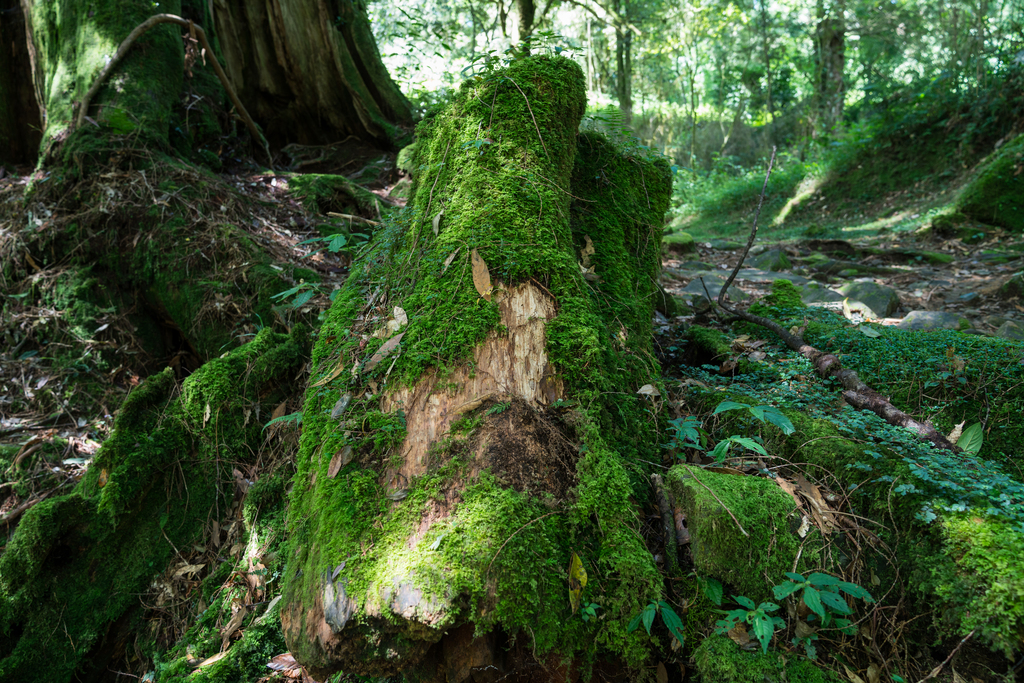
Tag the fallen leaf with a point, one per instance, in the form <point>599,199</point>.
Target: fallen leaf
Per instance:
<point>187,570</point>
<point>788,487</point>
<point>448,261</point>
<point>587,252</point>
<point>337,371</point>
<point>662,673</point>
<point>283,662</point>
<point>278,411</point>
<point>577,581</point>
<point>437,222</point>
<point>398,495</point>
<point>869,331</point>
<point>649,390</point>
<point>210,660</point>
<point>340,459</point>
<point>400,317</point>
<point>339,408</point>
<point>473,404</point>
<point>955,434</point>
<point>206,414</point>
<point>757,355</point>
<point>233,625</point>
<point>481,276</point>
<point>738,634</point>
<point>875,674</point>
<point>854,678</point>
<point>383,352</point>
<point>822,513</point>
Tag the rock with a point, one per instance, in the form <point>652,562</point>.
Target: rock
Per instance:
<point>1010,330</point>
<point>714,285</point>
<point>994,320</point>
<point>755,275</point>
<point>725,245</point>
<point>931,320</point>
<point>814,293</point>
<point>773,259</point>
<point>679,243</point>
<point>406,160</point>
<point>696,265</point>
<point>1014,287</point>
<point>996,195</point>
<point>881,299</point>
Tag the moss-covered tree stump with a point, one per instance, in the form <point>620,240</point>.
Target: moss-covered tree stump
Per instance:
<point>473,416</point>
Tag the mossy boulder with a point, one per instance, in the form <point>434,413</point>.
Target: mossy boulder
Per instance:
<point>743,530</point>
<point>772,260</point>
<point>881,299</point>
<point>996,195</point>
<point>679,243</point>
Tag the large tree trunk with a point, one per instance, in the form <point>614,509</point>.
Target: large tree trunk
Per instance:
<point>310,71</point>
<point>830,53</point>
<point>130,256</point>
<point>444,483</point>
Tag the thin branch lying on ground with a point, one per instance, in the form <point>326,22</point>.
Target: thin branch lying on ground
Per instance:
<point>856,393</point>
<point>198,32</point>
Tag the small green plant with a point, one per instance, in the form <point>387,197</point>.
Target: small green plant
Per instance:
<point>498,408</point>
<point>763,413</point>
<point>588,612</point>
<point>668,616</point>
<point>303,292</point>
<point>721,451</point>
<point>292,417</point>
<point>823,596</point>
<point>759,618</point>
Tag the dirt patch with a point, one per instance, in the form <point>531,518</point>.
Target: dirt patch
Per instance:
<point>527,450</point>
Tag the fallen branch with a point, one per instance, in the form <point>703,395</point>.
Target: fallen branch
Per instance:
<point>857,394</point>
<point>935,672</point>
<point>136,33</point>
<point>17,512</point>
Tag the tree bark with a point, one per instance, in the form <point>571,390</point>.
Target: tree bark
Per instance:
<point>830,53</point>
<point>310,72</point>
<point>527,275</point>
<point>624,68</point>
<point>19,113</point>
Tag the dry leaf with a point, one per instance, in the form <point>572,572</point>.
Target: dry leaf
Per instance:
<point>284,662</point>
<point>188,569</point>
<point>788,487</point>
<point>649,390</point>
<point>819,508</point>
<point>738,634</point>
<point>954,435</point>
<point>473,404</point>
<point>875,674</point>
<point>339,408</point>
<point>481,276</point>
<point>236,623</point>
<point>215,534</point>
<point>210,660</point>
<point>662,671</point>
<point>437,222</point>
<point>400,317</point>
<point>854,678</point>
<point>757,355</point>
<point>279,410</point>
<point>448,261</point>
<point>340,459</point>
<point>206,414</point>
<point>383,352</point>
<point>587,252</point>
<point>337,371</point>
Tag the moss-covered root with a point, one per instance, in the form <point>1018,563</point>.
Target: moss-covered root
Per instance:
<point>429,526</point>
<point>71,575</point>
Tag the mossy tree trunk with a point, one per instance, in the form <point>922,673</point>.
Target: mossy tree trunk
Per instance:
<point>473,417</point>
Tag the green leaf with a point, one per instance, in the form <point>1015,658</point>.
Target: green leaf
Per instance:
<point>744,600</point>
<point>795,577</point>
<point>713,590</point>
<point>293,417</point>
<point>784,590</point>
<point>971,439</point>
<point>855,591</point>
<point>337,243</point>
<point>648,616</point>
<point>289,292</point>
<point>729,405</point>
<point>634,624</point>
<point>779,420</point>
<point>835,602</point>
<point>673,622</point>
<point>812,598</point>
<point>749,443</point>
<point>822,580</point>
<point>303,298</point>
<point>721,450</point>
<point>763,627</point>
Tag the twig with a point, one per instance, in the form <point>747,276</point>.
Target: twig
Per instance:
<point>753,234</point>
<point>556,512</point>
<point>724,506</point>
<point>21,509</point>
<point>352,218</point>
<point>126,44</point>
<point>532,117</point>
<point>935,672</point>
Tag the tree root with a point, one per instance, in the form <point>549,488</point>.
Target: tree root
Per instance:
<point>196,31</point>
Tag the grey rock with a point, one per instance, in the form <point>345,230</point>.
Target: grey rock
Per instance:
<point>773,260</point>
<point>1010,330</point>
<point>881,299</point>
<point>930,320</point>
<point>714,285</point>
<point>814,293</point>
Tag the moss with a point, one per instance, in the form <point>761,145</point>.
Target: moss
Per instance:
<point>721,660</point>
<point>323,193</point>
<point>80,560</point>
<point>706,346</point>
<point>750,562</point>
<point>73,43</point>
<point>784,294</point>
<point>502,172</point>
<point>996,195</point>
<point>680,242</point>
